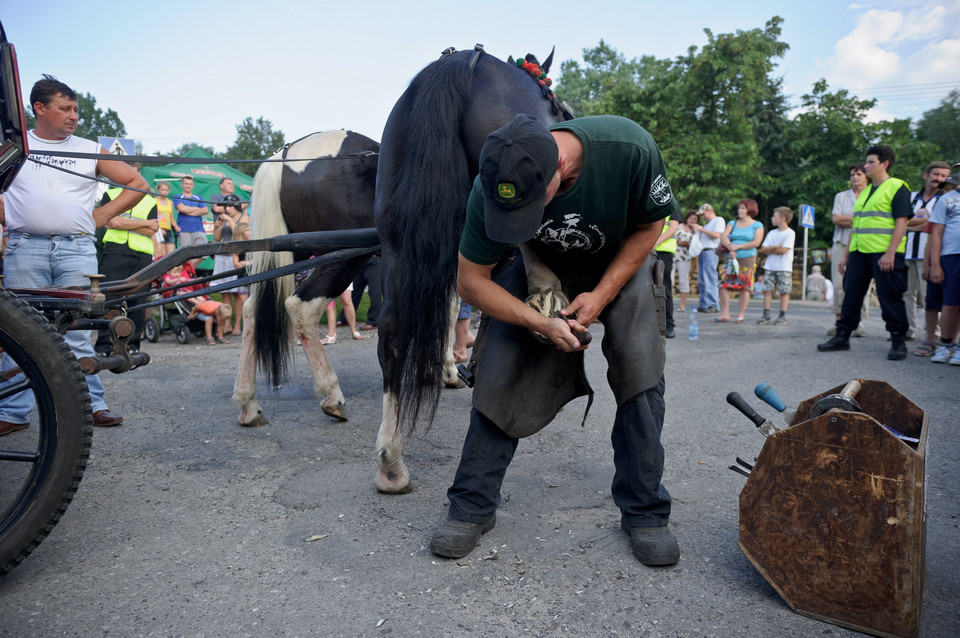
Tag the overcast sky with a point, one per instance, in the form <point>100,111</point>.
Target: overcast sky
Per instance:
<point>180,71</point>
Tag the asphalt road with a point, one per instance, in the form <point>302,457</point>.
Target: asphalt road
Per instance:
<point>188,525</point>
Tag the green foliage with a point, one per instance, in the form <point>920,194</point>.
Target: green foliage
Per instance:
<point>186,146</point>
<point>716,113</point>
<point>720,118</point>
<point>255,140</point>
<point>941,126</point>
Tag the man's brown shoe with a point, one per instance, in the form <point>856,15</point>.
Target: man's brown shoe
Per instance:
<point>654,546</point>
<point>106,419</point>
<point>8,428</point>
<point>456,539</point>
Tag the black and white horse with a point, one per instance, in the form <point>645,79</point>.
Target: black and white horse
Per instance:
<point>428,159</point>
<point>334,191</point>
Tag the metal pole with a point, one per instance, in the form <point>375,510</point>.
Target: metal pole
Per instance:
<point>803,284</point>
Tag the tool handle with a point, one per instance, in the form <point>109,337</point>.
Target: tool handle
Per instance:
<point>739,403</point>
<point>851,389</point>
<point>769,396</point>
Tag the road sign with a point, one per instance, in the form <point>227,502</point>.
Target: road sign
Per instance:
<point>117,145</point>
<point>806,215</point>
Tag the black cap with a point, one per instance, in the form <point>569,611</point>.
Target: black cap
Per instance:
<point>517,162</point>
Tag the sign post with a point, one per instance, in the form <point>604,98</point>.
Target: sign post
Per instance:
<point>806,220</point>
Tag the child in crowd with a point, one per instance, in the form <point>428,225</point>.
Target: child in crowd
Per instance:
<point>943,288</point>
<point>778,268</point>
<point>202,306</point>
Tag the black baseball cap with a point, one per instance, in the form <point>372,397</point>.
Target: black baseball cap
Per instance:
<point>517,162</point>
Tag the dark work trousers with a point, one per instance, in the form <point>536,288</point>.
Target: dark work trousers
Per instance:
<point>367,277</point>
<point>667,259</point>
<point>637,456</point>
<point>120,265</point>
<point>861,268</point>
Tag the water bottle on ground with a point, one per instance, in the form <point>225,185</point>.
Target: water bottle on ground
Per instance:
<point>694,329</point>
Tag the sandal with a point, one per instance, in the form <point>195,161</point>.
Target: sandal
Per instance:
<point>739,319</point>
<point>328,340</point>
<point>222,340</point>
<point>211,341</point>
<point>357,335</point>
<point>719,320</point>
<point>925,349</point>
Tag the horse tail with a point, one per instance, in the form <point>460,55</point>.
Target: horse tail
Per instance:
<point>271,324</point>
<point>421,222</point>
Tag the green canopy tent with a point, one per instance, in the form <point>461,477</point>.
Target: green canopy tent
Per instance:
<point>206,178</point>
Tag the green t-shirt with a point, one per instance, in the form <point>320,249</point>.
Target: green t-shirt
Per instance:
<point>623,183</point>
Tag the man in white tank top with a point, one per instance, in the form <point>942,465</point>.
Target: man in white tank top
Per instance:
<point>50,219</point>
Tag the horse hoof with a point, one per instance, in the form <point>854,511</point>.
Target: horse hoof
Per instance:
<point>256,422</point>
<point>337,411</point>
<point>455,384</point>
<point>393,483</point>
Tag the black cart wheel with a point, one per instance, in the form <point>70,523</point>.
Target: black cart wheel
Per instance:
<point>40,466</point>
<point>151,330</point>
<point>183,334</point>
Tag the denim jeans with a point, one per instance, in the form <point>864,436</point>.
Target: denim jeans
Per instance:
<point>35,261</point>
<point>637,456</point>
<point>707,281</point>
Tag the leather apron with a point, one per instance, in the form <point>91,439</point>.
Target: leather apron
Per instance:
<point>521,384</point>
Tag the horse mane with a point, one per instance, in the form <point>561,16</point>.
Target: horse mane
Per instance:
<point>432,184</point>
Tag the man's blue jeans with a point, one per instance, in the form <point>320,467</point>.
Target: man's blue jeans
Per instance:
<point>35,261</point>
<point>707,281</point>
<point>637,457</point>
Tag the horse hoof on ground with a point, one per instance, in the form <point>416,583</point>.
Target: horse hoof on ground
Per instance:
<point>394,479</point>
<point>255,422</point>
<point>336,410</point>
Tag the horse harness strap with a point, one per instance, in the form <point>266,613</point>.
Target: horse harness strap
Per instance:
<point>477,50</point>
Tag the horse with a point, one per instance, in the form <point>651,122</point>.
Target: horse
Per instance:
<point>429,156</point>
<point>332,189</point>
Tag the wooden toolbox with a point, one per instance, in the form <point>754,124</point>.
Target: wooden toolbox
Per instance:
<point>832,514</point>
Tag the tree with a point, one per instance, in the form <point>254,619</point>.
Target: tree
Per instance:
<point>255,140</point>
<point>716,113</point>
<point>186,146</point>
<point>94,122</point>
<point>941,126</point>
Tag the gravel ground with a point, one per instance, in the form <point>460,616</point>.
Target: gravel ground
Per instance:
<point>188,525</point>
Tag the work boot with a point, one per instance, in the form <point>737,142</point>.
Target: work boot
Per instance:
<point>653,546</point>
<point>456,539</point>
<point>898,349</point>
<point>765,319</point>
<point>840,341</point>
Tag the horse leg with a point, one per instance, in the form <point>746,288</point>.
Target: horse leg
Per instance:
<point>450,377</point>
<point>245,388</point>
<point>306,318</point>
<point>393,476</point>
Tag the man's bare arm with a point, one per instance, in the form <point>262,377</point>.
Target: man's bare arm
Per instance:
<point>124,175</point>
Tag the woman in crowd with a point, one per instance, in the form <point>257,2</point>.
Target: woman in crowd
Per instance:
<point>224,229</point>
<point>741,238</point>
<point>682,257</point>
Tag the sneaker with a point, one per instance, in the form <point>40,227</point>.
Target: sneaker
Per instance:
<point>860,332</point>
<point>781,321</point>
<point>943,354</point>
<point>456,539</point>
<point>955,359</point>
<point>671,333</point>
<point>832,332</point>
<point>764,320</point>
<point>898,350</point>
<point>654,546</point>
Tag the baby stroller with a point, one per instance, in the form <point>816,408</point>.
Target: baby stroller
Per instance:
<point>173,317</point>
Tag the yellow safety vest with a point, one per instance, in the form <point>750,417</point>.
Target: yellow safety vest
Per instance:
<point>669,246</point>
<point>135,241</point>
<point>873,221</point>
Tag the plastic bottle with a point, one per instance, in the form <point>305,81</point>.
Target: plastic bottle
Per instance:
<point>694,329</point>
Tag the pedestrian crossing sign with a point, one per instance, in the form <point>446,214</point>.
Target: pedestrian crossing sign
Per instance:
<point>806,215</point>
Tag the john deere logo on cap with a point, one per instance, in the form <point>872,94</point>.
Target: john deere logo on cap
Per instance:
<point>506,191</point>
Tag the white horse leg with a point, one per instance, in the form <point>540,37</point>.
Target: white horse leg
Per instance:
<point>393,477</point>
<point>245,388</point>
<point>450,377</point>
<point>306,319</point>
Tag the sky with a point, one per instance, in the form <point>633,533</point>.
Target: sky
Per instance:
<point>190,71</point>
